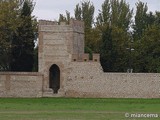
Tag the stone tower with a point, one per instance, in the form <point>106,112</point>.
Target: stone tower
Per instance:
<point>59,45</point>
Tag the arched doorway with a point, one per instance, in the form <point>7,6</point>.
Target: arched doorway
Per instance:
<point>54,78</point>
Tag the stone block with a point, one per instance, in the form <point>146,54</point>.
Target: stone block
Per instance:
<point>96,57</point>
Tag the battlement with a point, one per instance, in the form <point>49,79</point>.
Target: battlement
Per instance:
<point>85,58</point>
<point>74,25</point>
<point>96,57</point>
<point>47,22</point>
<point>73,22</point>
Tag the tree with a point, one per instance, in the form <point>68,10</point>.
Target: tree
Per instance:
<point>140,19</point>
<point>9,10</point>
<point>65,18</point>
<point>78,12</point>
<point>114,21</point>
<point>146,39</point>
<point>85,12</point>
<point>35,66</point>
<point>148,51</point>
<point>147,46</point>
<point>106,50</point>
<point>23,41</point>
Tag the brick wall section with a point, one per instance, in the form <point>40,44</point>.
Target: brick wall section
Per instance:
<point>86,79</point>
<point>14,84</point>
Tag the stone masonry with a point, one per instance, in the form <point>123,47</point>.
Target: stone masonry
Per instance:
<point>66,71</point>
<point>61,45</point>
<point>16,84</point>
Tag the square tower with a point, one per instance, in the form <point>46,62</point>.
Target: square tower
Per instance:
<point>58,43</point>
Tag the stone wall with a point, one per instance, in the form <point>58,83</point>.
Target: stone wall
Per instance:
<point>86,79</point>
<point>57,43</point>
<point>63,45</point>
<point>15,84</point>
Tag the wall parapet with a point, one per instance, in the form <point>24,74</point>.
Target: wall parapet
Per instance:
<point>22,73</point>
<point>96,57</point>
<point>134,74</point>
<point>85,58</point>
<point>73,26</point>
<point>47,22</point>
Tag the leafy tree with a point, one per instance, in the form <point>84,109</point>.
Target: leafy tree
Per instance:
<point>148,51</point>
<point>85,11</point>
<point>23,41</point>
<point>65,18</point>
<point>114,21</point>
<point>106,50</point>
<point>147,46</point>
<point>9,10</point>
<point>146,36</point>
<point>117,13</point>
<point>78,12</point>
<point>140,19</point>
<point>35,66</point>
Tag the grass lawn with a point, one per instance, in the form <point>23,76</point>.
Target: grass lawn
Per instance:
<point>76,109</point>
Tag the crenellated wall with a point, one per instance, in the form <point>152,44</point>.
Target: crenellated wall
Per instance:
<point>63,46</point>
<point>60,44</point>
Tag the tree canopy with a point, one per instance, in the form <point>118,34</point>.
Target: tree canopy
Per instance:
<point>17,28</point>
<point>126,40</point>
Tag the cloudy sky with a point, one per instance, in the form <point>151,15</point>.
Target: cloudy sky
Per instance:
<point>50,9</point>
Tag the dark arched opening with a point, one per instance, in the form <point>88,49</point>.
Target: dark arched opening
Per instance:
<point>54,78</point>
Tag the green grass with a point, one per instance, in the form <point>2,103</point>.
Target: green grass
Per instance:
<point>76,108</point>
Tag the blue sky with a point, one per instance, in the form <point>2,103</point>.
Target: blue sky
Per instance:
<point>50,9</point>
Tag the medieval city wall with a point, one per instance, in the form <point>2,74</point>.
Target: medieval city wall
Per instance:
<point>18,84</point>
<point>87,79</point>
<point>63,45</point>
